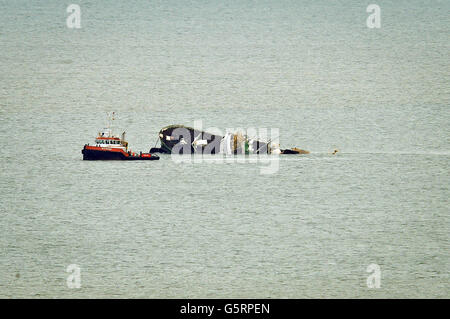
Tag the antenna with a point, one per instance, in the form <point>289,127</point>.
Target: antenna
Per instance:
<point>112,119</point>
<point>107,117</point>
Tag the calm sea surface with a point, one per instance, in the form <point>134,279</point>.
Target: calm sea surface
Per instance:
<point>312,69</point>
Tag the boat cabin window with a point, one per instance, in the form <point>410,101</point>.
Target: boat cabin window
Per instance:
<point>107,142</point>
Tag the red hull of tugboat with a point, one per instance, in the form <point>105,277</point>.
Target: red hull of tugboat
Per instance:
<point>92,153</point>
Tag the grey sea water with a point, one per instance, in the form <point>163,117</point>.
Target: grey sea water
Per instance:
<point>160,229</point>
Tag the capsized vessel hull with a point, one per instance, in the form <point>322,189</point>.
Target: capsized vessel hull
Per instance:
<point>180,139</point>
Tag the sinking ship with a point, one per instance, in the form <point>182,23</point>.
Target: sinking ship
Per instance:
<point>180,139</point>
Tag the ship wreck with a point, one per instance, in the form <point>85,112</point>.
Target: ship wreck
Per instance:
<point>180,139</point>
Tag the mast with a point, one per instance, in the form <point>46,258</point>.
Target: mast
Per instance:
<point>111,125</point>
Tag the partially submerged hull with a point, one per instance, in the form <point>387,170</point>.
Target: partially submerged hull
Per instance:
<point>94,153</point>
<point>179,139</point>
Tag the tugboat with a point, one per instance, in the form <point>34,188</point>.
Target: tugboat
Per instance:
<point>110,147</point>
